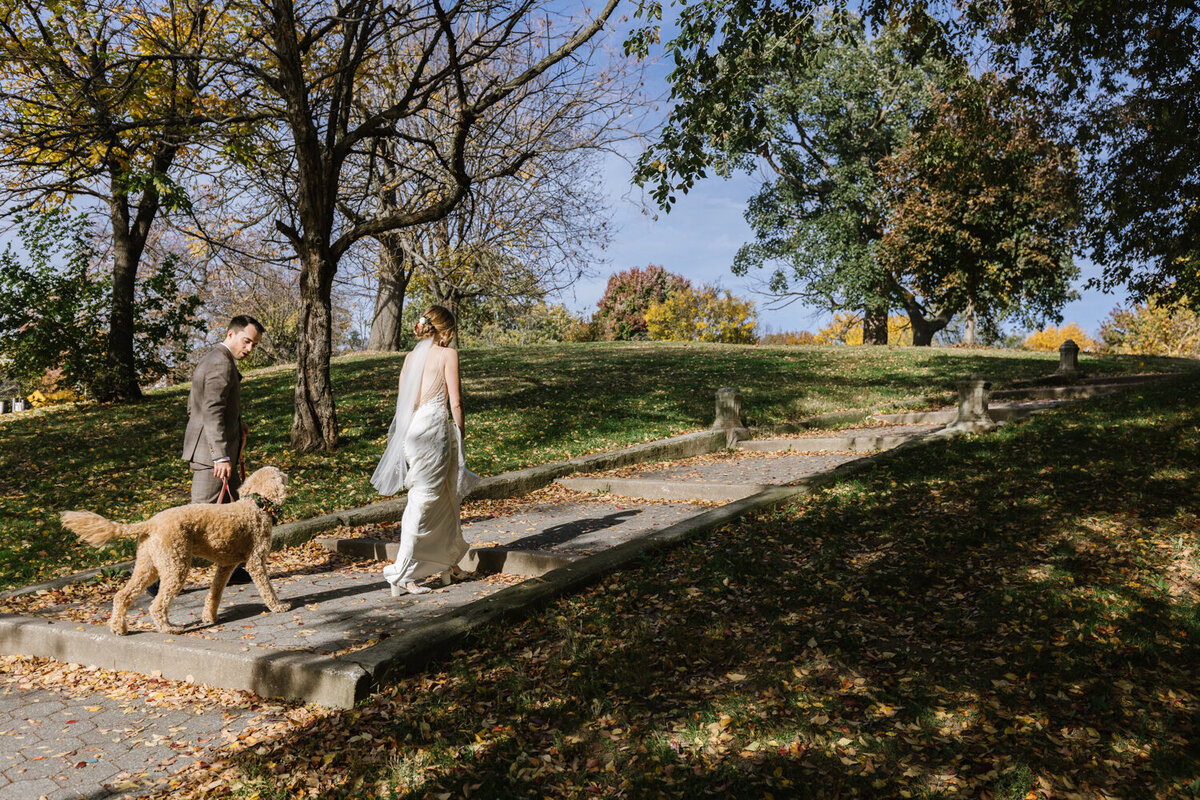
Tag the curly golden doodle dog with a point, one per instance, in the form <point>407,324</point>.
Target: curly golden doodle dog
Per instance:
<point>224,534</point>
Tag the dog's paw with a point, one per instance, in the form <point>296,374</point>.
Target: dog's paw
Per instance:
<point>209,620</point>
<point>170,630</point>
<point>279,608</point>
<point>119,630</point>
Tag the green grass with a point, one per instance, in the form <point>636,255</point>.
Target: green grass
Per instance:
<point>525,406</point>
<point>1010,615</point>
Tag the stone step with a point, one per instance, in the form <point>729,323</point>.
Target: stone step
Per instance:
<point>510,560</point>
<point>1000,412</point>
<point>650,489</point>
<point>818,444</point>
<point>1058,392</point>
<point>942,416</point>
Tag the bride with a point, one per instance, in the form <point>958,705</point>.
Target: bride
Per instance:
<point>425,453</point>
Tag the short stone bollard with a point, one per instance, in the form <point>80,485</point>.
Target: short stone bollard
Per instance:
<point>1068,359</point>
<point>729,416</point>
<point>973,405</point>
<point>20,404</point>
<point>5,407</point>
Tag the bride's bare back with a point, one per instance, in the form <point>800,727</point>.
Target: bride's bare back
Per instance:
<point>441,373</point>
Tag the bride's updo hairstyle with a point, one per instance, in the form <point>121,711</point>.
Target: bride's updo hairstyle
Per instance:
<point>438,323</point>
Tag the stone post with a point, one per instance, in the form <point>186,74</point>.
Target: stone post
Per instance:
<point>5,406</point>
<point>973,405</point>
<point>1068,359</point>
<point>729,416</point>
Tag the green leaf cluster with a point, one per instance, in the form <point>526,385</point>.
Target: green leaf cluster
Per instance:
<point>54,309</point>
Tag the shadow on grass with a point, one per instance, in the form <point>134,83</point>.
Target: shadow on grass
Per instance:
<point>989,616</point>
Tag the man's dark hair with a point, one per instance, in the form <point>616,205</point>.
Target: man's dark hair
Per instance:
<point>242,320</point>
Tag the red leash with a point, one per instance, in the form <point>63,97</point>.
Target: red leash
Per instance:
<point>225,492</point>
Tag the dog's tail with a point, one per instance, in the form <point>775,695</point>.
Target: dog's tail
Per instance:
<point>95,529</point>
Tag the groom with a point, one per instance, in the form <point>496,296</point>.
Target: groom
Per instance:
<point>212,443</point>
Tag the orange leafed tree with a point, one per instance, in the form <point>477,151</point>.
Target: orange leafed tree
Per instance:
<point>981,210</point>
<point>1050,338</point>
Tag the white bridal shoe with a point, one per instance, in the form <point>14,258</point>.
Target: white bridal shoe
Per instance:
<point>409,587</point>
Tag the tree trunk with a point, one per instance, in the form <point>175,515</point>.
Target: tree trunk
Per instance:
<point>387,331</point>
<point>121,382</point>
<point>969,325</point>
<point>314,425</point>
<point>448,296</point>
<point>925,327</point>
<point>875,326</point>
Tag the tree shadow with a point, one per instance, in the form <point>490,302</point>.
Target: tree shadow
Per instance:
<point>561,534</point>
<point>971,616</point>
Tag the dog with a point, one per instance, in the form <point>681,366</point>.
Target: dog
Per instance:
<point>223,534</point>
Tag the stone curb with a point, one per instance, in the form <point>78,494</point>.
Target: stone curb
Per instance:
<point>650,489</point>
<point>857,444</point>
<point>269,673</point>
<point>1062,392</point>
<point>66,580</point>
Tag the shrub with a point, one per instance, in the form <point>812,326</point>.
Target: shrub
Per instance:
<point>789,338</point>
<point>537,324</point>
<point>704,315</point>
<point>629,294</point>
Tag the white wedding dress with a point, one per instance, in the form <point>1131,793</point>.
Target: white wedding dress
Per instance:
<point>425,453</point>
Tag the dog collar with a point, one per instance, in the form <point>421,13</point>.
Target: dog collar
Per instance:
<point>266,505</point>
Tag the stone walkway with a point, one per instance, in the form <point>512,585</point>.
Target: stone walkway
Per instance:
<point>61,744</point>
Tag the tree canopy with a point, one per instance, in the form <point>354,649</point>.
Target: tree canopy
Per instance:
<point>981,210</point>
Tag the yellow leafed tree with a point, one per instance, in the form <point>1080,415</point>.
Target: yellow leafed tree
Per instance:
<point>706,314</point>
<point>1154,328</point>
<point>1050,338</point>
<point>847,329</point>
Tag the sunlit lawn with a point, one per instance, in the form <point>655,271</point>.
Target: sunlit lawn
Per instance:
<point>1011,615</point>
<point>525,406</point>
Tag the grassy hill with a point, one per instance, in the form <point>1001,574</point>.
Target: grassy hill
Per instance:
<point>525,406</point>
<point>1008,616</point>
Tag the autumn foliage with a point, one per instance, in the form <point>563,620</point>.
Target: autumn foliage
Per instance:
<point>1165,329</point>
<point>1050,338</point>
<point>629,294</point>
<point>789,338</point>
<point>706,314</point>
<point>982,206</point>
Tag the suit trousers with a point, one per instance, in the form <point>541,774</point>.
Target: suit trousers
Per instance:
<point>207,489</point>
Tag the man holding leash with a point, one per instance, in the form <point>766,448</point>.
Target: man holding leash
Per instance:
<point>212,443</point>
<point>215,435</point>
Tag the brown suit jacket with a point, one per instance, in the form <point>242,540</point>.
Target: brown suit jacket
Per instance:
<point>214,426</point>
